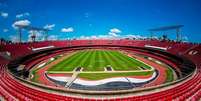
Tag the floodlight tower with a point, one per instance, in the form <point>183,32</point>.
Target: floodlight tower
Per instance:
<point>178,34</point>
<point>33,36</point>
<point>46,34</point>
<point>30,28</point>
<point>20,27</point>
<point>151,34</point>
<point>167,28</point>
<point>20,34</point>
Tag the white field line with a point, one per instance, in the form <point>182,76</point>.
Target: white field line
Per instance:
<point>152,68</point>
<point>141,70</point>
<point>103,81</point>
<point>125,53</point>
<point>100,71</point>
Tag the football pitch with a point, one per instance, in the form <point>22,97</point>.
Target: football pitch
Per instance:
<point>97,60</point>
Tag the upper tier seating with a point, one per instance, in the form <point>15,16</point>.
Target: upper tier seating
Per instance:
<point>11,89</point>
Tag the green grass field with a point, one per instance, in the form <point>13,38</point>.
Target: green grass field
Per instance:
<point>96,60</point>
<point>99,76</point>
<point>93,62</point>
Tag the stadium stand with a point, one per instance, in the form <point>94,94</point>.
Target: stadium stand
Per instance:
<point>12,89</point>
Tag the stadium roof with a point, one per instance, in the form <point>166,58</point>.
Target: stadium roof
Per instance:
<point>164,28</point>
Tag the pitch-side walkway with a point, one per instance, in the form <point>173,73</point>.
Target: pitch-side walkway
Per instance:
<point>162,74</point>
<point>101,71</point>
<point>70,80</point>
<point>42,79</point>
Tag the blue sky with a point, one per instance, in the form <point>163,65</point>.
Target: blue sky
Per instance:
<point>101,18</point>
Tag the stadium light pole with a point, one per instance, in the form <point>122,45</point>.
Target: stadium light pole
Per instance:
<point>20,34</point>
<point>151,34</point>
<point>46,35</point>
<point>178,34</point>
<point>167,28</point>
<point>20,27</point>
<point>33,36</point>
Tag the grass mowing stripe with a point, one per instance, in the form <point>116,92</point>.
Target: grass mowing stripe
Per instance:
<point>90,66</point>
<point>120,64</point>
<point>75,63</point>
<point>66,63</point>
<point>169,73</point>
<point>107,59</point>
<point>60,64</point>
<point>102,59</point>
<point>129,58</point>
<point>85,60</point>
<point>97,61</point>
<point>99,76</point>
<point>130,64</point>
<point>114,61</point>
<point>139,63</point>
<point>94,60</point>
<point>101,62</point>
<point>85,64</point>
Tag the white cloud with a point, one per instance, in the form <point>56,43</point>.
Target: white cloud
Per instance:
<point>53,37</point>
<point>3,14</point>
<point>115,30</point>
<point>22,15</point>
<point>26,14</point>
<point>21,23</point>
<point>19,15</point>
<point>5,30</point>
<point>104,37</point>
<point>65,30</point>
<point>49,26</point>
<point>131,36</point>
<point>94,37</point>
<point>89,37</point>
<point>97,37</point>
<point>113,34</point>
<point>185,38</point>
<point>84,37</point>
<point>14,38</point>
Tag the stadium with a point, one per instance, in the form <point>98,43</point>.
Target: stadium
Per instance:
<point>106,68</point>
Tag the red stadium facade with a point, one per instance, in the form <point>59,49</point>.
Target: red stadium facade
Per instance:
<point>184,57</point>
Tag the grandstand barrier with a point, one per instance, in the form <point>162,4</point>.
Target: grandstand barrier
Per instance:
<point>174,90</point>
<point>41,48</point>
<point>104,92</point>
<point>155,47</point>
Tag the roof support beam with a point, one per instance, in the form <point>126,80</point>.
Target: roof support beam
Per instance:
<point>167,28</point>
